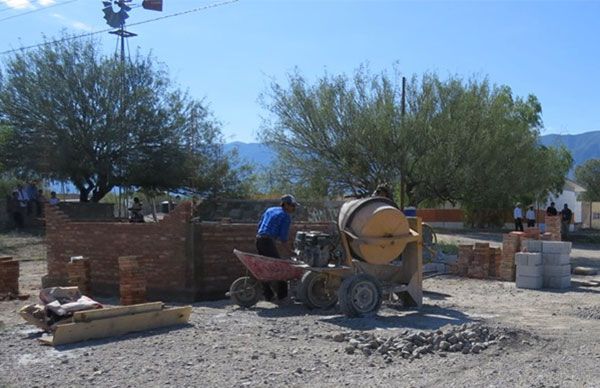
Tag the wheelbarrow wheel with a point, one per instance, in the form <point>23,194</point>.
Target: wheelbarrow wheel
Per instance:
<point>245,291</point>
<point>314,291</point>
<point>360,295</point>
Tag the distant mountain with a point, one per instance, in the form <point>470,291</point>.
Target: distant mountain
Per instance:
<point>256,154</point>
<point>583,146</point>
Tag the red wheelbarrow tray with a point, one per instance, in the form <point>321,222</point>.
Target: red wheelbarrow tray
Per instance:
<point>266,269</point>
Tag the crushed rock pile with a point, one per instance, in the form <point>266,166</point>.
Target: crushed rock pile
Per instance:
<point>467,338</point>
<point>590,312</point>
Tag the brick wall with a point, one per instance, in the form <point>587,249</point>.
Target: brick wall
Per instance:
<point>162,246</point>
<point>212,247</point>
<point>182,260</point>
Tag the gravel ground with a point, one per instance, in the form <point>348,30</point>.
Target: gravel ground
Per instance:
<point>539,339</point>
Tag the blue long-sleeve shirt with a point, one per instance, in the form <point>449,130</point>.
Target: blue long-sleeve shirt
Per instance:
<point>275,223</point>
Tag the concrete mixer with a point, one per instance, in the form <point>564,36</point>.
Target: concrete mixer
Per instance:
<point>382,256</point>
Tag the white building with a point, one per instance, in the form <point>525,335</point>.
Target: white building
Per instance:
<point>570,196</point>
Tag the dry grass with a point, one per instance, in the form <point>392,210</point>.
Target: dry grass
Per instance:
<point>26,245</point>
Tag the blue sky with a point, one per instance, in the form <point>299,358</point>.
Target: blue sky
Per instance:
<point>229,54</point>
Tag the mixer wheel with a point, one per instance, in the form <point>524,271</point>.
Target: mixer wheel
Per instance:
<point>315,291</point>
<point>245,291</point>
<point>360,295</point>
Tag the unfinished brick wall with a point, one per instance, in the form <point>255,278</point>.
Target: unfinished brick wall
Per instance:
<point>162,247</point>
<point>182,260</point>
<point>553,227</point>
<point>132,280</point>
<point>9,277</point>
<point>213,244</point>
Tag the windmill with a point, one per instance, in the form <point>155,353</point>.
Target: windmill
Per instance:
<point>116,17</point>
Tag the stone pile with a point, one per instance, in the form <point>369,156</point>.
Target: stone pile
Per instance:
<point>544,264</point>
<point>132,280</point>
<point>78,271</point>
<point>9,278</point>
<point>466,339</point>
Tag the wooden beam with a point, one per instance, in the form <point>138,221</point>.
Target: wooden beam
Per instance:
<point>118,325</point>
<point>109,312</point>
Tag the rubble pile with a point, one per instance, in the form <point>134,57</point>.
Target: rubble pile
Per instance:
<point>467,338</point>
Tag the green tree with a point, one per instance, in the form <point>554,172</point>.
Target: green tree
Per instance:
<point>588,175</point>
<point>459,140</point>
<point>83,117</point>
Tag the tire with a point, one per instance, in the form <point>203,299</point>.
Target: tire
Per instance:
<point>245,291</point>
<point>360,295</point>
<point>314,293</point>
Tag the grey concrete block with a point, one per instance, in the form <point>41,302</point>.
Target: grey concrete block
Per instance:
<point>528,258</point>
<point>532,245</point>
<point>556,258</point>
<point>531,282</point>
<point>557,270</point>
<point>530,270</point>
<point>557,282</point>
<point>556,247</point>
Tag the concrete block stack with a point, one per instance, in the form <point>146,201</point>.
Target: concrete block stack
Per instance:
<point>557,264</point>
<point>511,244</point>
<point>479,267</point>
<point>9,277</point>
<point>530,270</point>
<point>465,258</point>
<point>132,280</point>
<point>544,264</point>
<point>78,271</point>
<point>552,228</point>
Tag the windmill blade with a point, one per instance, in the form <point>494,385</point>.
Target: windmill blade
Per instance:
<point>154,5</point>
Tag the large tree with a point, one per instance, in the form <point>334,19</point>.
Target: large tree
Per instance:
<point>81,116</point>
<point>588,175</point>
<point>458,140</point>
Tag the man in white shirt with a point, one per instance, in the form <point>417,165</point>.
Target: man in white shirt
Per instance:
<point>518,216</point>
<point>530,215</point>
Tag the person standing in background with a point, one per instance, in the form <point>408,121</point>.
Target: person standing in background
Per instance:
<point>518,216</point>
<point>530,216</point>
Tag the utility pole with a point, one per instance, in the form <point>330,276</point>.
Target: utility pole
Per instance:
<point>402,113</point>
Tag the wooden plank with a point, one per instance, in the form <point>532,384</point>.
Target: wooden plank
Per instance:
<point>109,312</point>
<point>119,325</point>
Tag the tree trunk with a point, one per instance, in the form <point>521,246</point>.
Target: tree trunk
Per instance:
<point>100,192</point>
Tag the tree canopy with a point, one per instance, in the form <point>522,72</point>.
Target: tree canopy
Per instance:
<point>459,140</point>
<point>588,175</point>
<point>77,115</point>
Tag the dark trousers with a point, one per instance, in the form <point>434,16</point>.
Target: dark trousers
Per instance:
<point>530,223</point>
<point>518,224</point>
<point>266,246</point>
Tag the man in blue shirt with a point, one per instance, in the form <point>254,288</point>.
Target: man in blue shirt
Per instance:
<point>275,225</point>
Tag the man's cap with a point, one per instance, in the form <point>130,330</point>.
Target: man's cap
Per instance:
<point>518,204</point>
<point>289,199</point>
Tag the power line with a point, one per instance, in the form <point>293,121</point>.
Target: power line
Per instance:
<point>214,5</point>
<point>37,10</point>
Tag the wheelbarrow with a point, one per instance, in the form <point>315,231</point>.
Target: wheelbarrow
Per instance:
<point>246,291</point>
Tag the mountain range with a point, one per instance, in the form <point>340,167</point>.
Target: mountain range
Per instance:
<point>583,146</point>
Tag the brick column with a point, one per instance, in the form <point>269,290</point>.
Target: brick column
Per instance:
<point>479,267</point>
<point>511,243</point>
<point>78,270</point>
<point>553,227</point>
<point>9,277</point>
<point>465,258</point>
<point>132,280</point>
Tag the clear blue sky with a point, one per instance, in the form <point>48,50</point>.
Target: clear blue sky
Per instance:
<point>228,54</point>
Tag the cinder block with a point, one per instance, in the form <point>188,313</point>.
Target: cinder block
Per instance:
<point>556,247</point>
<point>557,282</point>
<point>556,258</point>
<point>531,282</point>
<point>530,270</point>
<point>532,245</point>
<point>557,270</point>
<point>528,258</point>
